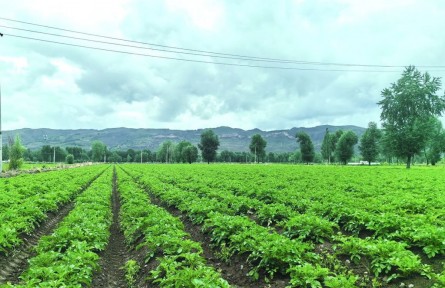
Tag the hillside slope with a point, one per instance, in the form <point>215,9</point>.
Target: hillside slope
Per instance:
<point>232,139</point>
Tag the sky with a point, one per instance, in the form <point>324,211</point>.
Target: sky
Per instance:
<point>49,85</point>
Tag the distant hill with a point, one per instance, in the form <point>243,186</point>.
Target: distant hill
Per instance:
<point>232,139</point>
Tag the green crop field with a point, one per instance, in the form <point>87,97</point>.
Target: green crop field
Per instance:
<point>223,226</point>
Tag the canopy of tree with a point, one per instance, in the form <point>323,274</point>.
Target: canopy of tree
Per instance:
<point>306,147</point>
<point>208,146</point>
<point>407,107</point>
<point>258,147</point>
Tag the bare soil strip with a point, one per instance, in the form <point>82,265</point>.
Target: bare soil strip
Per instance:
<point>15,262</point>
<point>115,254</point>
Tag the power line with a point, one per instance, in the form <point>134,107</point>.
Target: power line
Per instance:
<point>146,48</point>
<point>208,53</point>
<point>198,61</point>
<point>197,52</point>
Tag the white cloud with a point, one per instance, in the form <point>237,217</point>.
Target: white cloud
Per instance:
<point>46,85</point>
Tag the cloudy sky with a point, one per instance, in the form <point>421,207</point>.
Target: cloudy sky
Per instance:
<point>49,85</point>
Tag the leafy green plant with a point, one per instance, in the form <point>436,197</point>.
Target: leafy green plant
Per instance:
<point>131,268</point>
<point>307,275</point>
<point>309,227</point>
<point>386,257</point>
<point>68,257</point>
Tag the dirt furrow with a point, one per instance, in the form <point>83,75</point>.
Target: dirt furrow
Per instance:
<point>115,254</point>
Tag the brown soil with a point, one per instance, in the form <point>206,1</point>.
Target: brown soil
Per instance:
<point>115,254</point>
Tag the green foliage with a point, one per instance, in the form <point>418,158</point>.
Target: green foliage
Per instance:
<point>436,141</point>
<point>309,227</point>
<point>115,158</point>
<point>327,149</point>
<point>25,200</point>
<point>131,268</point>
<point>190,154</point>
<point>257,147</point>
<point>386,257</point>
<point>307,275</point>
<point>98,150</point>
<point>345,146</point>
<point>165,152</point>
<point>16,154</point>
<point>69,257</point>
<point>407,106</point>
<point>369,143</point>
<point>306,147</point>
<point>162,236</point>
<point>5,152</point>
<point>184,154</point>
<point>341,281</point>
<point>69,159</point>
<point>186,270</point>
<point>208,146</point>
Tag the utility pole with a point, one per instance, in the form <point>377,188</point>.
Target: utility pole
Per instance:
<point>54,157</point>
<point>141,156</point>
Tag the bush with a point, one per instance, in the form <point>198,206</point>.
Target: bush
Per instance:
<point>69,159</point>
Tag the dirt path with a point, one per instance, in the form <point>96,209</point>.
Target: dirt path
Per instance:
<point>115,254</point>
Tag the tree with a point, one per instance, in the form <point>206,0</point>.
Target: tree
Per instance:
<point>69,159</point>
<point>60,154</point>
<point>147,156</point>
<point>369,143</point>
<point>326,146</point>
<point>226,156</point>
<point>345,146</point>
<point>16,154</point>
<point>178,151</point>
<point>407,106</point>
<point>165,152</point>
<point>98,150</point>
<point>208,146</point>
<point>257,147</point>
<point>436,142</point>
<point>47,153</point>
<point>306,147</point>
<point>189,154</point>
<point>271,157</point>
<point>5,152</point>
<point>295,157</point>
<point>115,157</point>
<point>76,152</point>
<point>132,154</point>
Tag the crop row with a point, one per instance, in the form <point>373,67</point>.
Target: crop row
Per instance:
<point>26,200</point>
<point>163,237</point>
<point>68,257</point>
<point>388,258</point>
<point>393,210</point>
<point>267,250</point>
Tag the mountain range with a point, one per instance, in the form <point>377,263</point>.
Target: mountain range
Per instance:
<point>232,139</point>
